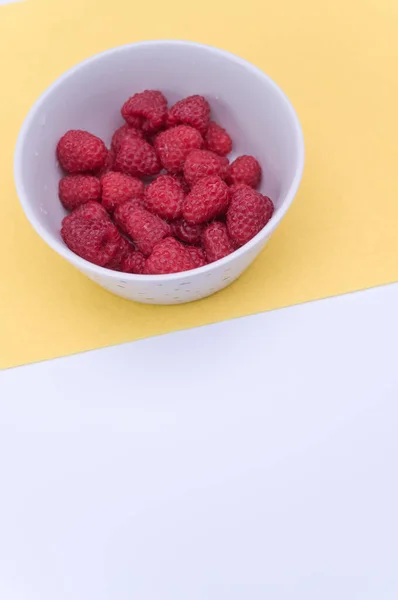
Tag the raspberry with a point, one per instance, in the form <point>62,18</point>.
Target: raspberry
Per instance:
<point>117,188</point>
<point>123,250</point>
<point>164,197</point>
<point>207,199</point>
<point>146,110</point>
<point>198,256</point>
<point>174,145</point>
<point>193,111</point>
<point>143,227</point>
<point>75,190</point>
<point>245,169</point>
<point>169,256</point>
<point>96,240</point>
<point>125,132</point>
<point>91,210</point>
<point>216,241</point>
<point>217,139</point>
<point>134,262</point>
<point>81,151</point>
<point>127,259</point>
<point>186,232</point>
<point>248,212</point>
<point>201,163</point>
<point>138,158</point>
<point>109,162</point>
<point>186,188</point>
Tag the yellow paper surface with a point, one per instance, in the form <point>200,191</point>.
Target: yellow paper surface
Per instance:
<point>337,60</point>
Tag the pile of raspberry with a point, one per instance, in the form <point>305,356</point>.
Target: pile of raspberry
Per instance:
<point>164,198</point>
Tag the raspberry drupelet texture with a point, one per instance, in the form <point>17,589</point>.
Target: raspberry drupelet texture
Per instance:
<point>217,139</point>
<point>174,145</point>
<point>117,188</point>
<point>75,190</point>
<point>216,241</point>
<point>248,212</point>
<point>164,197</point>
<point>208,199</point>
<point>193,111</point>
<point>81,152</point>
<point>201,163</point>
<point>146,110</point>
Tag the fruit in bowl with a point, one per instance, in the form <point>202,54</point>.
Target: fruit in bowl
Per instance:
<point>138,230</point>
<point>173,199</point>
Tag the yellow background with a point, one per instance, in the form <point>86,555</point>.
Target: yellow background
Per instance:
<point>337,61</point>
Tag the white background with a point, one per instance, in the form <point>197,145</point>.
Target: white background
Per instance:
<point>253,459</point>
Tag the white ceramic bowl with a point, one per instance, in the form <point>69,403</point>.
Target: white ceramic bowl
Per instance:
<point>252,108</point>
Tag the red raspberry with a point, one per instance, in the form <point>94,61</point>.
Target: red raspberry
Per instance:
<point>96,240</point>
<point>75,190</point>
<point>109,162</point>
<point>81,151</point>
<point>186,188</point>
<point>164,197</point>
<point>186,232</point>
<point>193,111</point>
<point>125,132</point>
<point>174,145</point>
<point>148,109</point>
<point>127,259</point>
<point>138,158</point>
<point>245,169</point>
<point>208,198</point>
<point>217,139</point>
<point>216,241</point>
<point>117,188</point>
<point>143,227</point>
<point>198,256</point>
<point>123,250</point>
<point>91,210</point>
<point>134,262</point>
<point>169,256</point>
<point>201,163</point>
<point>248,212</point>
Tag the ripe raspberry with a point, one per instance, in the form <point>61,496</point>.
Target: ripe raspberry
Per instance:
<point>117,188</point>
<point>248,212</point>
<point>245,169</point>
<point>138,158</point>
<point>201,163</point>
<point>198,256</point>
<point>125,132</point>
<point>108,166</point>
<point>148,109</point>
<point>193,111</point>
<point>91,210</point>
<point>134,262</point>
<point>144,228</point>
<point>186,188</point>
<point>127,259</point>
<point>75,190</point>
<point>207,199</point>
<point>169,256</point>
<point>81,151</point>
<point>174,145</point>
<point>123,250</point>
<point>186,232</point>
<point>96,240</point>
<point>164,197</point>
<point>216,241</point>
<point>217,139</point>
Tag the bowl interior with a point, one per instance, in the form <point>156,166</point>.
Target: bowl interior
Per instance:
<point>249,105</point>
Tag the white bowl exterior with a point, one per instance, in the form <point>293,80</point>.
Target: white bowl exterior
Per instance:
<point>244,100</point>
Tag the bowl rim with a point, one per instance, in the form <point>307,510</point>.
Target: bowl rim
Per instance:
<point>82,264</point>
